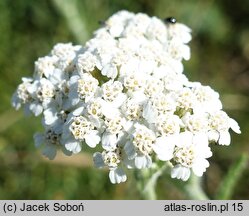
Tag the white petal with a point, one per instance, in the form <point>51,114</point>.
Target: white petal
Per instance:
<point>39,139</point>
<point>128,126</point>
<point>186,174</point>
<point>74,80</point>
<point>15,101</point>
<point>73,146</point>
<point>130,150</point>
<point>116,30</point>
<point>36,108</point>
<point>200,139</point>
<point>109,141</point>
<point>49,151</point>
<point>146,66</point>
<point>73,98</point>
<point>234,126</point>
<point>174,65</point>
<point>78,111</point>
<point>164,147</point>
<point>32,89</point>
<point>200,166</point>
<point>186,52</point>
<point>117,176</point>
<point>185,139</point>
<point>213,135</point>
<point>71,101</point>
<point>204,151</point>
<point>138,96</point>
<point>50,116</point>
<point>57,76</point>
<point>27,79</point>
<point>108,110</point>
<point>110,71</point>
<point>98,160</point>
<point>225,138</point>
<point>130,164</point>
<point>26,109</point>
<point>150,113</point>
<point>180,172</point>
<point>92,139</point>
<point>143,161</point>
<point>160,71</point>
<point>65,151</point>
<point>119,100</point>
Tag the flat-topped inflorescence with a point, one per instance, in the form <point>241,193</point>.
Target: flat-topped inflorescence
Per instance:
<point>125,91</point>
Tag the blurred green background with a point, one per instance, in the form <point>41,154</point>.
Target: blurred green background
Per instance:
<point>29,29</point>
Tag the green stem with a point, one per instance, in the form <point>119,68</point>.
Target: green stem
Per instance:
<point>69,10</point>
<point>193,189</point>
<point>150,187</point>
<point>146,183</point>
<point>228,184</point>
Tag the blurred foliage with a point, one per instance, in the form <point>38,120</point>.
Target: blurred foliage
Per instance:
<point>29,29</point>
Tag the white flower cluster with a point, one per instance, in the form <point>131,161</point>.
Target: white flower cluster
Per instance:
<point>125,92</point>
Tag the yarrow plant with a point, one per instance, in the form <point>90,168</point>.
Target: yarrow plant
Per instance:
<point>125,94</point>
